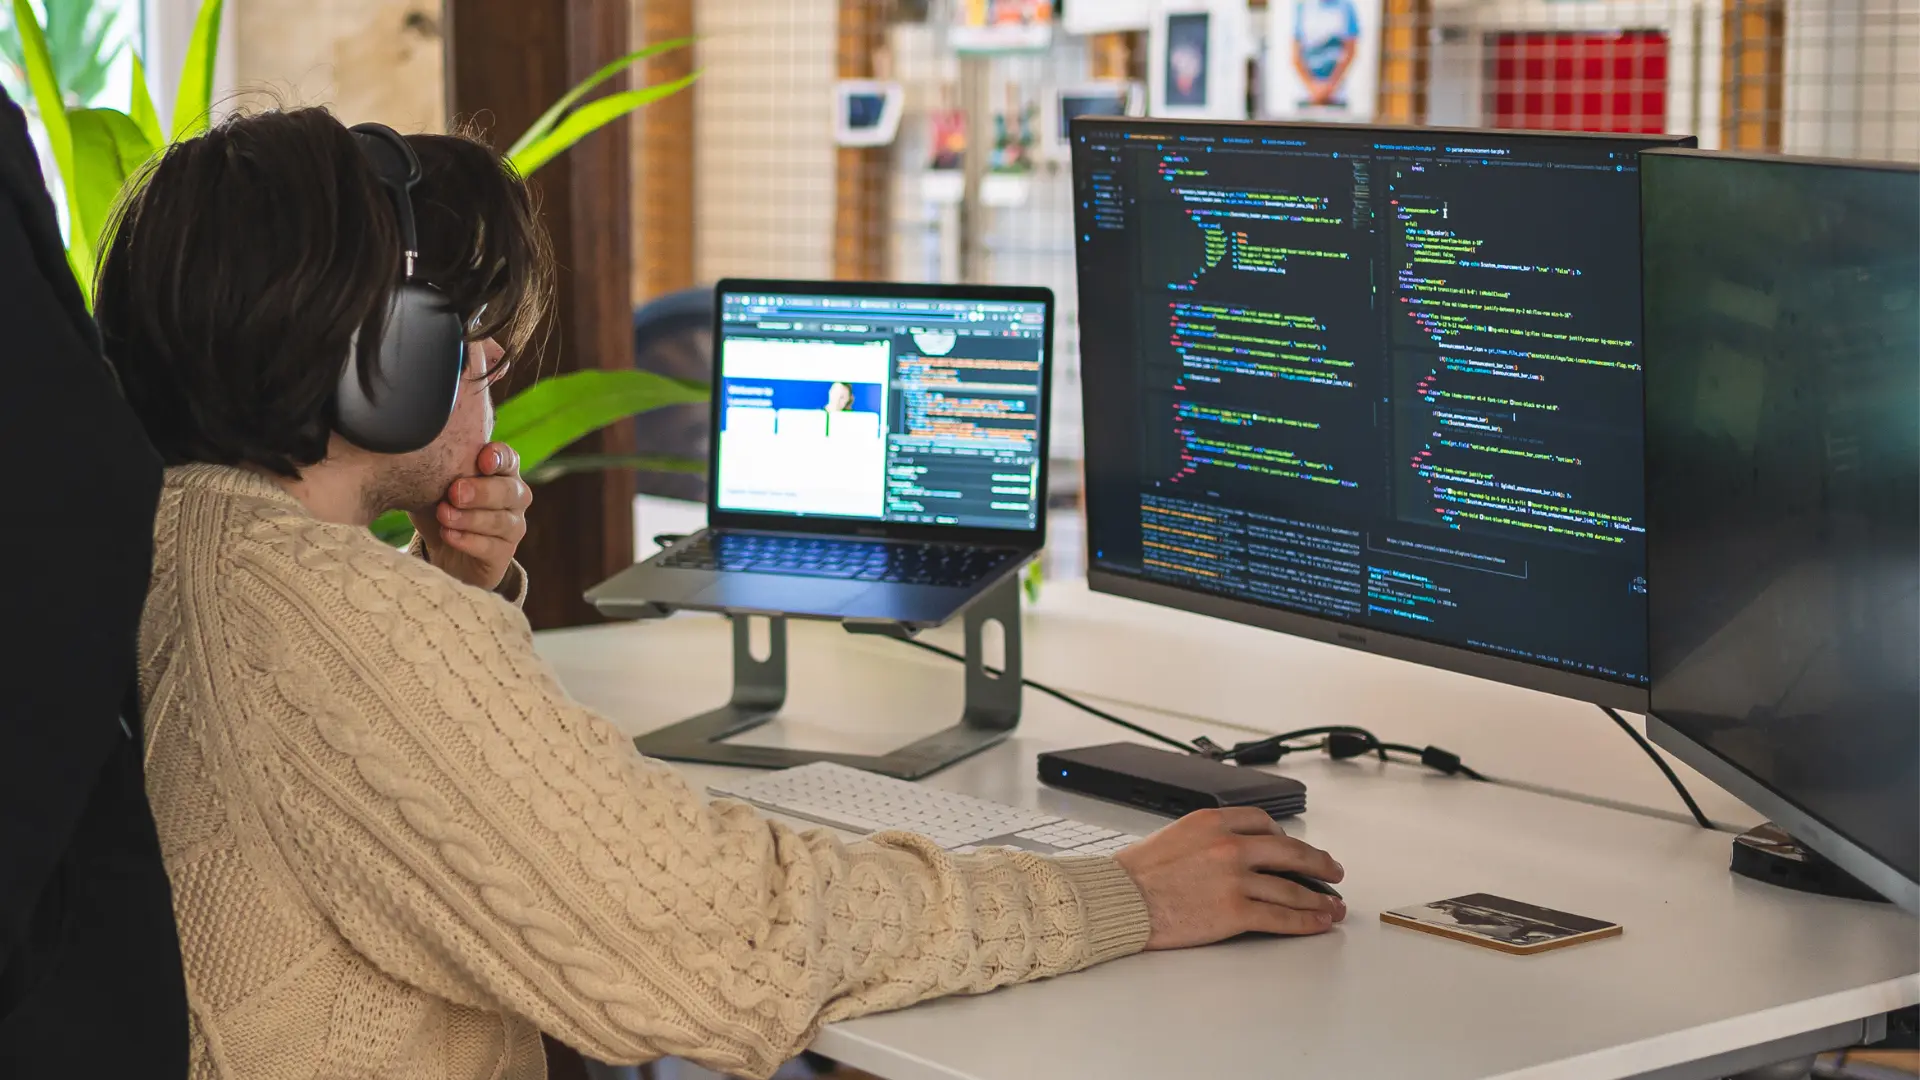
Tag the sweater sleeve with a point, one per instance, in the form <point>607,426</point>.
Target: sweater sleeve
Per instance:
<point>474,832</point>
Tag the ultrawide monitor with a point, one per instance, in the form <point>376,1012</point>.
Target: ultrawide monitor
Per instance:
<point>1374,386</point>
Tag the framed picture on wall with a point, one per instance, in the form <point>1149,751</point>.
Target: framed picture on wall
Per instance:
<point>1323,59</point>
<point>867,113</point>
<point>1197,59</point>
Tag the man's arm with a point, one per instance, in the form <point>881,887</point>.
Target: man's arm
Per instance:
<point>474,832</point>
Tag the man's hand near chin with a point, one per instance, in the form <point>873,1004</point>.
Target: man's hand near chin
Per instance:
<point>476,527</point>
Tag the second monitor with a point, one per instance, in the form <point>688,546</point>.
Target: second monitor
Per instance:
<point>1380,387</point>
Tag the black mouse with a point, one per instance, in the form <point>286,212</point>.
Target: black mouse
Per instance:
<point>1306,882</point>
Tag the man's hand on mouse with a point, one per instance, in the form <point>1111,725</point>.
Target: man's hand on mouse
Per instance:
<point>474,530</point>
<point>1202,879</point>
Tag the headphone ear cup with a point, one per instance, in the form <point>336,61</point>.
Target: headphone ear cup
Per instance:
<point>415,376</point>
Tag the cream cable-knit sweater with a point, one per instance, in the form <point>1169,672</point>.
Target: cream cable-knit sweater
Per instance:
<point>399,850</point>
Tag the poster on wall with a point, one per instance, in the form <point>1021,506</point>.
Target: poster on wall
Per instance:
<point>1323,59</point>
<point>1198,59</point>
<point>989,26</point>
<point>1106,16</point>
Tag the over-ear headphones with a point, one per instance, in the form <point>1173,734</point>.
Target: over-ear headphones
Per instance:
<point>414,375</point>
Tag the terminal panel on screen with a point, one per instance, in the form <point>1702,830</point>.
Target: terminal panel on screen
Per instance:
<point>917,411</point>
<point>1383,379</point>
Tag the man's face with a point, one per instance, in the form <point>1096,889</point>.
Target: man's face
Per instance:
<point>417,481</point>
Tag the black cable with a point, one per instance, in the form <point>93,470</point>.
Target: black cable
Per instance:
<point>1343,740</point>
<point>1268,750</point>
<point>1185,748</point>
<point>1685,795</point>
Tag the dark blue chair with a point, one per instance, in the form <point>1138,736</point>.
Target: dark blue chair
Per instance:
<point>673,336</point>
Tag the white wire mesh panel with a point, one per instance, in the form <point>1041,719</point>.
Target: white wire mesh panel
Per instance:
<point>1837,78</point>
<point>764,153</point>
<point>1852,79</point>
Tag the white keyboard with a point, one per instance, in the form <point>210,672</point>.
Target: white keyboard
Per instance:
<point>864,802</point>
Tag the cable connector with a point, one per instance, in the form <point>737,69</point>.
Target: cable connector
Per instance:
<point>1260,752</point>
<point>1342,745</point>
<point>1211,750</point>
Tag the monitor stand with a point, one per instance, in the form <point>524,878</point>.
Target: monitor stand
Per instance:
<point>1768,854</point>
<point>991,712</point>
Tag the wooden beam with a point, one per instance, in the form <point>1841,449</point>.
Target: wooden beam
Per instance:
<point>507,61</point>
<point>1752,73</point>
<point>1405,54</point>
<point>666,178</point>
<point>863,178</point>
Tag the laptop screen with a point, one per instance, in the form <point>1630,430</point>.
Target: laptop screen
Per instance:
<point>881,408</point>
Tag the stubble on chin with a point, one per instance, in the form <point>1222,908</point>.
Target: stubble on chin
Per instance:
<point>413,482</point>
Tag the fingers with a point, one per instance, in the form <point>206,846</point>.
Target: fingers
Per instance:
<point>488,550</point>
<point>499,459</point>
<point>1285,853</point>
<point>1278,919</point>
<point>1275,890</point>
<point>500,524</point>
<point>490,493</point>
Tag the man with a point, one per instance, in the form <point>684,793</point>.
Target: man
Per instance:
<point>399,849</point>
<point>89,967</point>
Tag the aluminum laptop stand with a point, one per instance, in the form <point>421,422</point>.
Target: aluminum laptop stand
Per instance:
<point>991,712</point>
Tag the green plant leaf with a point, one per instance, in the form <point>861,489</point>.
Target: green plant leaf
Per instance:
<point>393,527</point>
<point>108,148</point>
<point>592,117</point>
<point>52,108</point>
<point>548,119</point>
<point>140,109</point>
<point>88,61</point>
<point>193,101</point>
<point>553,413</point>
<point>568,464</point>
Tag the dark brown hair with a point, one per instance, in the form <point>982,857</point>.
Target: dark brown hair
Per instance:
<point>245,260</point>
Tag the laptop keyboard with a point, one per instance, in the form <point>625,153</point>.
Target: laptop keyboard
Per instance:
<point>890,561</point>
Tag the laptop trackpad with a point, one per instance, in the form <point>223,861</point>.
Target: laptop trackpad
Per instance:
<point>772,593</point>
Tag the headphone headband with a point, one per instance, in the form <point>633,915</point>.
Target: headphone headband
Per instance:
<point>398,169</point>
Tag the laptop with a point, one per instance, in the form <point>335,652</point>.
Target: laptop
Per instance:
<point>879,454</point>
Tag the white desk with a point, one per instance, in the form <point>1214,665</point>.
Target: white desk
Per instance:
<point>1713,975</point>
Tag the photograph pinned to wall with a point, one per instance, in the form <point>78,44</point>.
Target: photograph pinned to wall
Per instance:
<point>1105,16</point>
<point>944,182</point>
<point>948,139</point>
<point>867,113</point>
<point>1113,97</point>
<point>992,26</point>
<point>1014,133</point>
<point>1197,59</point>
<point>1323,60</point>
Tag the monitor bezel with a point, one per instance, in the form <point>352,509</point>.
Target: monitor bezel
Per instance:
<point>1526,674</point>
<point>1799,822</point>
<point>841,526</point>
